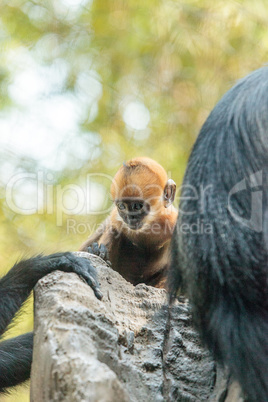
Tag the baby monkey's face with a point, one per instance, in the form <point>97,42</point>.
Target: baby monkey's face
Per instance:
<point>133,211</point>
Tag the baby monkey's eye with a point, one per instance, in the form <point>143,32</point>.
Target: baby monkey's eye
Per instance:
<point>121,206</point>
<point>137,206</point>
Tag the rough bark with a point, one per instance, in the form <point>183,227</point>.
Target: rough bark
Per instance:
<point>126,347</point>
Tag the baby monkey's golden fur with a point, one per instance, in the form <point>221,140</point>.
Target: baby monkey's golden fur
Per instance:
<point>138,232</point>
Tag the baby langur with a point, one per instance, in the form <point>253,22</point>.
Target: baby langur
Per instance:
<point>138,231</point>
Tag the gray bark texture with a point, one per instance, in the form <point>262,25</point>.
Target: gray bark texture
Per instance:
<point>127,347</point>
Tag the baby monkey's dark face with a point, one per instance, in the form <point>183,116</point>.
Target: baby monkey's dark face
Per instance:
<point>133,211</point>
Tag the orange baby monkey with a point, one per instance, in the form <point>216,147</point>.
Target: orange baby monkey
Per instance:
<point>136,236</point>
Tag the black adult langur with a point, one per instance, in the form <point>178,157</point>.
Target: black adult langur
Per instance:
<point>220,257</point>
<point>15,287</point>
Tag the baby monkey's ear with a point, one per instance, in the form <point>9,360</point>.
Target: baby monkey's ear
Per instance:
<point>169,192</point>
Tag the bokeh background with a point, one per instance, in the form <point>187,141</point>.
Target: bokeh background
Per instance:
<point>85,85</point>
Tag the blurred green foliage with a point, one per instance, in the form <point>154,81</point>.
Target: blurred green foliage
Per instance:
<point>174,59</point>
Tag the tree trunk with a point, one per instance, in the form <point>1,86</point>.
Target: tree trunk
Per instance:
<point>127,347</point>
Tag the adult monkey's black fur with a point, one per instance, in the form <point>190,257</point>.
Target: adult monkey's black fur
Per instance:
<point>15,287</point>
<point>224,268</point>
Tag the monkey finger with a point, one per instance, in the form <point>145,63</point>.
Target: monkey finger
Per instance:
<point>95,248</point>
<point>104,254</point>
<point>93,284</point>
<point>85,269</point>
<point>89,250</point>
<point>99,250</point>
<point>96,251</point>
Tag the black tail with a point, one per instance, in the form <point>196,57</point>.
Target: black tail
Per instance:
<point>15,360</point>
